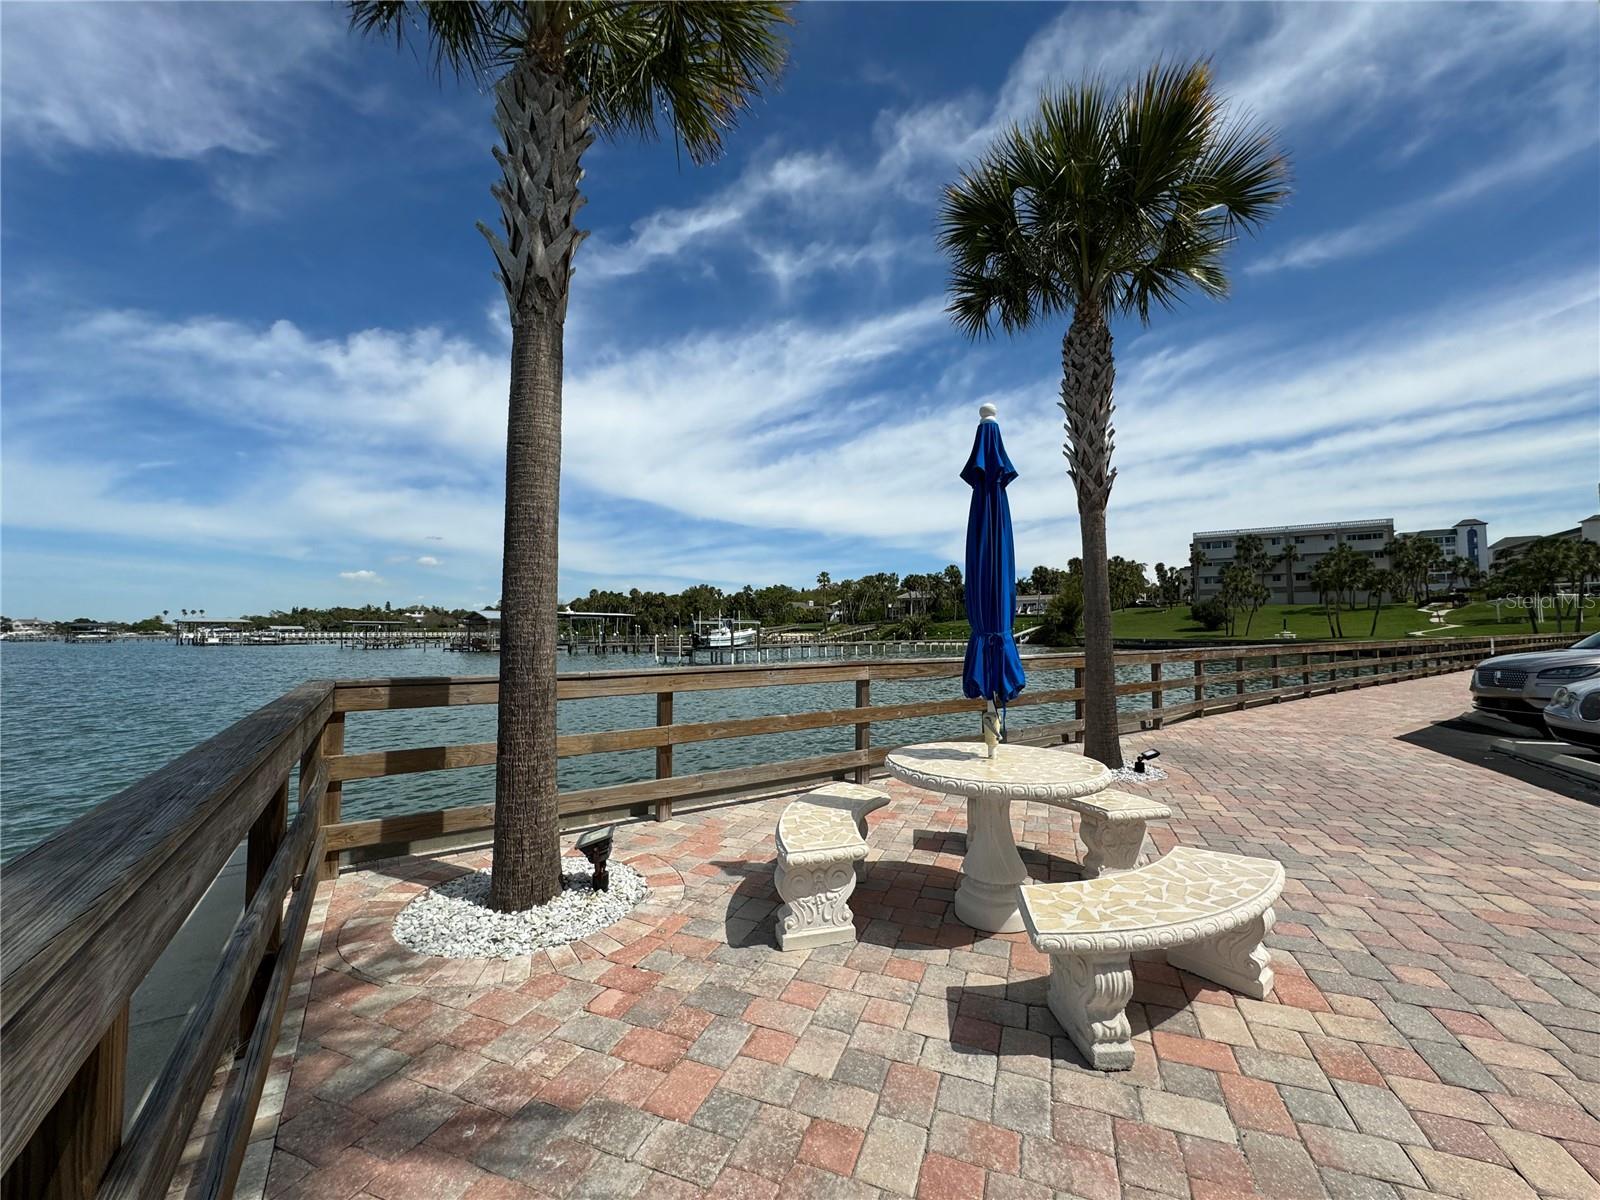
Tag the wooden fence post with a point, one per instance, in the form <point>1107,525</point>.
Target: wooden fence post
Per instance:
<point>1277,677</point>
<point>68,1152</point>
<point>265,837</point>
<point>332,744</point>
<point>1305,674</point>
<point>1200,686</point>
<point>864,729</point>
<point>1077,708</point>
<point>1156,699</point>
<point>664,753</point>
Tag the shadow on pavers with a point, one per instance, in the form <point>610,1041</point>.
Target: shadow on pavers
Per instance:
<point>1465,742</point>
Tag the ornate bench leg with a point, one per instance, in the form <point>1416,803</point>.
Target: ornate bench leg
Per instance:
<point>1109,845</point>
<point>1089,996</point>
<point>1237,959</point>
<point>816,904</point>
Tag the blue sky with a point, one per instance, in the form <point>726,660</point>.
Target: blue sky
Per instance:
<point>252,354</point>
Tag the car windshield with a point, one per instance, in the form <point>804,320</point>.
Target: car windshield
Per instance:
<point>1592,642</point>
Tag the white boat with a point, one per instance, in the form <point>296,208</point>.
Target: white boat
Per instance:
<point>725,634</point>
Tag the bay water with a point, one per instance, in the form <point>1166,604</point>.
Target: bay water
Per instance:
<point>81,721</point>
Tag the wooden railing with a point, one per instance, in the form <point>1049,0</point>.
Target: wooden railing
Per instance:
<point>1258,674</point>
<point>85,915</point>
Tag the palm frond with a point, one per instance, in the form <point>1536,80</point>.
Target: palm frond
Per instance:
<point>1124,200</point>
<point>465,37</point>
<point>694,65</point>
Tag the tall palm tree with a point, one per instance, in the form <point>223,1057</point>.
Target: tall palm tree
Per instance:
<point>1103,205</point>
<point>564,71</point>
<point>1288,557</point>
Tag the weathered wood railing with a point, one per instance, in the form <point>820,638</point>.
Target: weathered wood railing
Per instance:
<point>1314,669</point>
<point>85,915</point>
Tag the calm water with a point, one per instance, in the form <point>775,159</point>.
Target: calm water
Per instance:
<point>78,723</point>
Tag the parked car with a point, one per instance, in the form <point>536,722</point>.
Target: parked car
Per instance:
<point>1574,714</point>
<point>1519,686</point>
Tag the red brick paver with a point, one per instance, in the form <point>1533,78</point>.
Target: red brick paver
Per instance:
<point>1435,1029</point>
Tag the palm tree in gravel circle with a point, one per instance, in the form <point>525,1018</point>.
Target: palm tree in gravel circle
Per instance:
<point>1104,204</point>
<point>563,72</point>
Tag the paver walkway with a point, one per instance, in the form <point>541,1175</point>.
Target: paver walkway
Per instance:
<point>1435,1030</point>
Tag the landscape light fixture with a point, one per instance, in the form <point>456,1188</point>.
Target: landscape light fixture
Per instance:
<point>596,847</point>
<point>1143,757</point>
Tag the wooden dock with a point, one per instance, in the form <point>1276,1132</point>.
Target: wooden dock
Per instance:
<point>85,915</point>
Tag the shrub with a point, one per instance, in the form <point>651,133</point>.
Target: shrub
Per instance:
<point>1212,614</point>
<point>1063,616</point>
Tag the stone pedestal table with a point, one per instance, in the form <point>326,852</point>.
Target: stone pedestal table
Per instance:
<point>992,871</point>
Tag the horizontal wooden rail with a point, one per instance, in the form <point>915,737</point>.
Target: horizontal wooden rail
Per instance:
<point>1324,668</point>
<point>139,862</point>
<point>155,1142</point>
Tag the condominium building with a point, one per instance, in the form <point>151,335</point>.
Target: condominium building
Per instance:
<point>1507,549</point>
<point>1466,539</point>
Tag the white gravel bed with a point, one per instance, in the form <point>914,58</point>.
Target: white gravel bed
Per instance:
<point>451,920</point>
<point>1150,774</point>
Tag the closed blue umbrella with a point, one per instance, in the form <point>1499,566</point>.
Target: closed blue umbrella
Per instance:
<point>993,670</point>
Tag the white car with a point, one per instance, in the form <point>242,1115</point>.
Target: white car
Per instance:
<point>1573,715</point>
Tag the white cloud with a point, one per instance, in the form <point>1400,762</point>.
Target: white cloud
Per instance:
<point>1311,70</point>
<point>164,80</point>
<point>1391,225</point>
<point>780,449</point>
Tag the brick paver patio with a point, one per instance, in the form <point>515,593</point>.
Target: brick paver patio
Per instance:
<point>1435,1030</point>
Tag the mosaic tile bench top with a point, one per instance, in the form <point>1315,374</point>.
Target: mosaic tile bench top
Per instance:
<point>1189,895</point>
<point>827,818</point>
<point>1120,806</point>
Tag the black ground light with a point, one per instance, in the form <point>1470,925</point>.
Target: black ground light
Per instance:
<point>596,847</point>
<point>1139,761</point>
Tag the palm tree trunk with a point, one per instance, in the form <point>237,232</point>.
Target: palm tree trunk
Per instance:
<point>1088,373</point>
<point>544,133</point>
<point>527,830</point>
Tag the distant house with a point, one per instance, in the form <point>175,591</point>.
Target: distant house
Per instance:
<point>908,604</point>
<point>1032,604</point>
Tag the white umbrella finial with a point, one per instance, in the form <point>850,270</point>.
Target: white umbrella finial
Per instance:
<point>987,412</point>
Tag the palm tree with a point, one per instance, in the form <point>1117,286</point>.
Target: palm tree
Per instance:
<point>1288,558</point>
<point>1379,582</point>
<point>563,72</point>
<point>1584,562</point>
<point>1104,205</point>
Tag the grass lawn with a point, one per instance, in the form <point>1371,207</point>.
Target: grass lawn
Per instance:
<point>1308,622</point>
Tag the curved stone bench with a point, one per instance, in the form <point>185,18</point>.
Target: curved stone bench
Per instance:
<point>1111,825</point>
<point>821,837</point>
<point>1209,911</point>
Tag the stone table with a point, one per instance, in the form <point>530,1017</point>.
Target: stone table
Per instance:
<point>986,897</point>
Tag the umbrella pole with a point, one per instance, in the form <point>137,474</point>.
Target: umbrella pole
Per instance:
<point>991,728</point>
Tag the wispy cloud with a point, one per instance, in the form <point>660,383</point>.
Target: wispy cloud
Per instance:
<point>150,79</point>
<point>786,447</point>
<point>1310,69</point>
<point>361,576</point>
